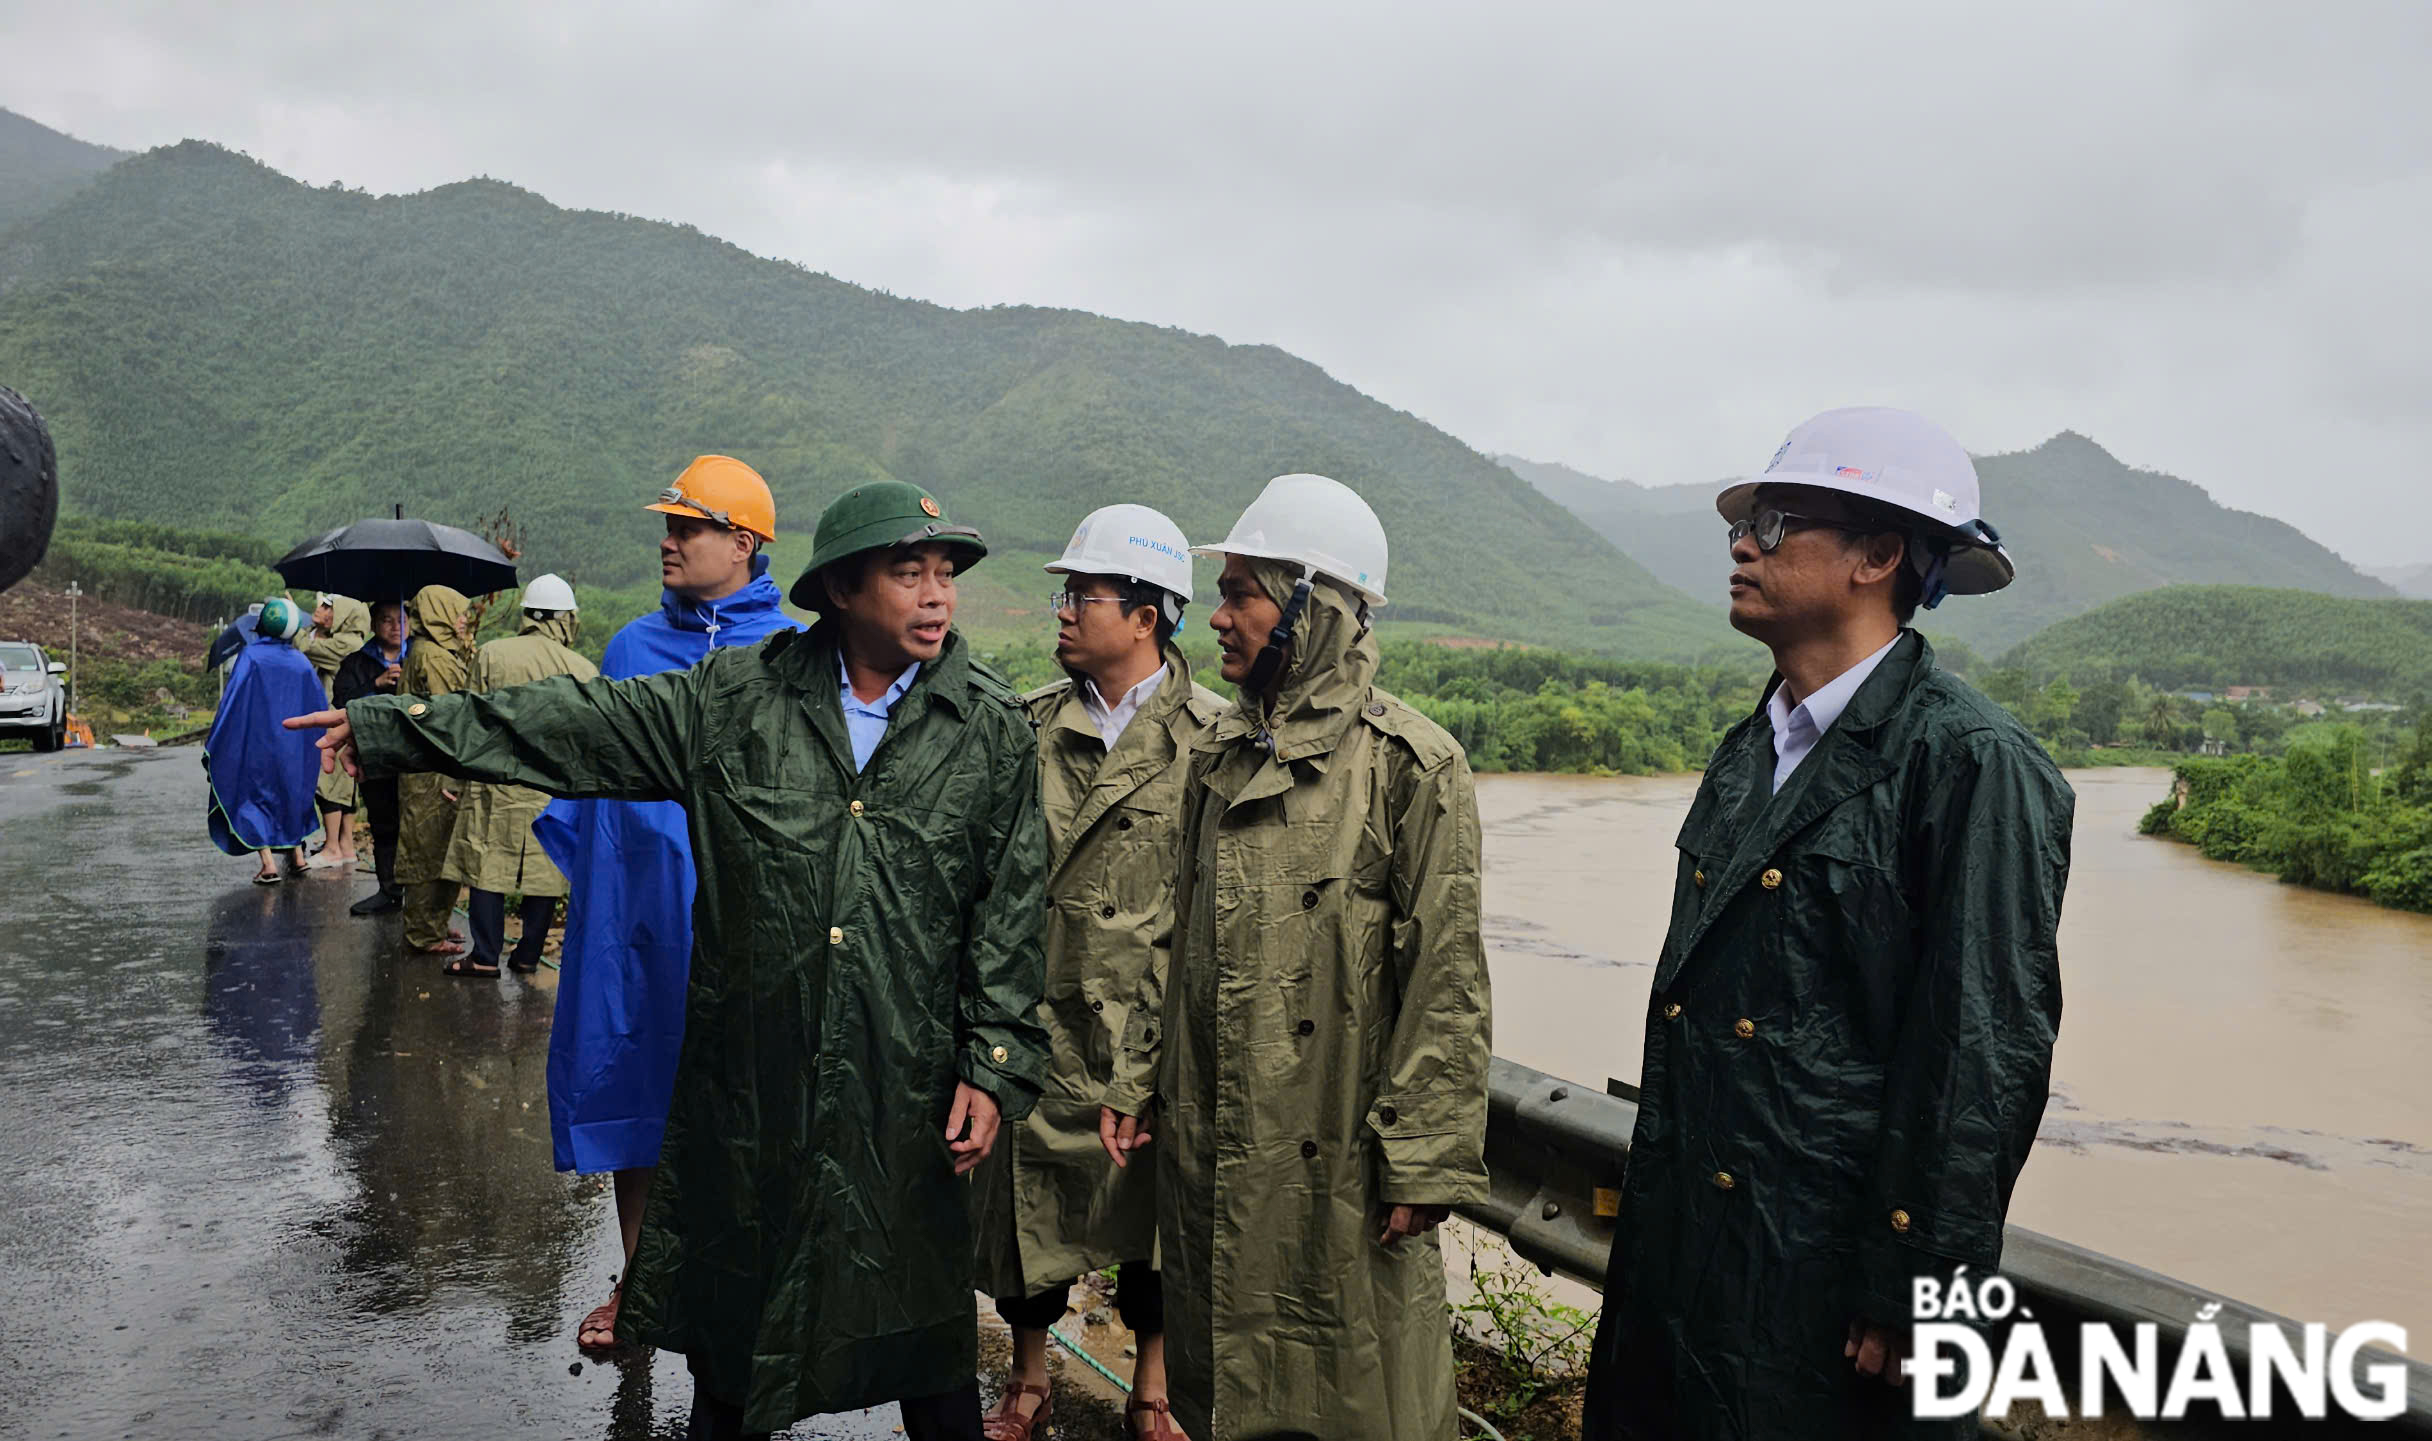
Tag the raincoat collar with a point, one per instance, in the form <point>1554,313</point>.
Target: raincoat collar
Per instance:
<point>373,648</point>
<point>1849,759</point>
<point>807,663</point>
<point>759,597</point>
<point>1137,756</point>
<point>1325,682</point>
<point>562,628</point>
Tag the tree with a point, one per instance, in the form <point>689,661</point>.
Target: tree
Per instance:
<point>2221,724</point>
<point>2100,708</point>
<point>2056,707</point>
<point>2162,723</point>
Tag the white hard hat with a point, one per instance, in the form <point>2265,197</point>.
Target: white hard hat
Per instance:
<point>549,592</point>
<point>1895,458</point>
<point>1130,540</point>
<point>1317,524</point>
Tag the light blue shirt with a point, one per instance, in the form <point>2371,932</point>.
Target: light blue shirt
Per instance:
<point>1797,728</point>
<point>865,722</point>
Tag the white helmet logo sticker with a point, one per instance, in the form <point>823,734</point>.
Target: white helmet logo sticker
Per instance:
<point>1945,501</point>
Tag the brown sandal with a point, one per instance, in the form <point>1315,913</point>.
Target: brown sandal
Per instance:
<point>601,1320</point>
<point>1161,1425</point>
<point>1007,1423</point>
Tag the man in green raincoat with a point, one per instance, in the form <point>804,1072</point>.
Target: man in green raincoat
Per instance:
<point>439,662</point>
<point>1320,1080</point>
<point>493,851</point>
<point>1849,1039</point>
<point>1114,742</point>
<point>340,626</point>
<point>864,813</point>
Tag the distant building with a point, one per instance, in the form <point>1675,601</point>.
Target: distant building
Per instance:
<point>2200,697</point>
<point>2308,708</point>
<point>2241,694</point>
<point>2361,707</point>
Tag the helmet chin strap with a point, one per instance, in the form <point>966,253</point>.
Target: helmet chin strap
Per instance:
<point>1270,662</point>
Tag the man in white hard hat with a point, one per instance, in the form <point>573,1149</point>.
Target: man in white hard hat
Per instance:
<point>1114,748</point>
<point>1318,1091</point>
<point>493,851</point>
<point>1849,1037</point>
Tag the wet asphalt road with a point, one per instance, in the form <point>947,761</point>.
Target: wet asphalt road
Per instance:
<point>261,1176</point>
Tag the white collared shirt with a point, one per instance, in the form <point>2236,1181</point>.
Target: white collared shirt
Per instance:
<point>1113,720</point>
<point>1797,728</point>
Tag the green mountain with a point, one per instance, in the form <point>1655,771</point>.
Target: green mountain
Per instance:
<point>219,346</point>
<point>39,167</point>
<point>2084,527</point>
<point>2214,636</point>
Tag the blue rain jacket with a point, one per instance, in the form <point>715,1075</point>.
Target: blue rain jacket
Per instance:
<point>628,945</point>
<point>262,774</point>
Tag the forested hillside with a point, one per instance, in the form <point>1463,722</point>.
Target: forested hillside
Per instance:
<point>2214,636</point>
<point>2085,529</point>
<point>221,347</point>
<point>39,167</point>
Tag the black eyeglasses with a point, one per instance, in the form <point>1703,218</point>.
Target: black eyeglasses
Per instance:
<point>1769,525</point>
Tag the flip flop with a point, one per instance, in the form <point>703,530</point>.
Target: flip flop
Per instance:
<point>444,948</point>
<point>260,879</point>
<point>466,968</point>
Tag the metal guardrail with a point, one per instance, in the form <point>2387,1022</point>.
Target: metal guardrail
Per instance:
<point>1555,1151</point>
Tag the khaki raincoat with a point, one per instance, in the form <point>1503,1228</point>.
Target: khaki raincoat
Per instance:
<point>1848,1049</point>
<point>861,942</point>
<point>437,663</point>
<point>492,848</point>
<point>1050,1207</point>
<point>350,625</point>
<point>1324,1055</point>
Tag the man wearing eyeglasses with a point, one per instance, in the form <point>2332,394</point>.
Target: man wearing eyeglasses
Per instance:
<point>1849,1036</point>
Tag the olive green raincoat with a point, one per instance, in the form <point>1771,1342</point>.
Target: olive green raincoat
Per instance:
<point>1050,1207</point>
<point>1848,1047</point>
<point>1324,1055</point>
<point>861,942</point>
<point>492,848</point>
<point>437,663</point>
<point>350,625</point>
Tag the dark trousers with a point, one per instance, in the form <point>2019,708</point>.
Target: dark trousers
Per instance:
<point>1139,1300</point>
<point>486,924</point>
<point>954,1416</point>
<point>380,808</point>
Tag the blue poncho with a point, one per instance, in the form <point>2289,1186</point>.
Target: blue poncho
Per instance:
<point>262,774</point>
<point>628,947</point>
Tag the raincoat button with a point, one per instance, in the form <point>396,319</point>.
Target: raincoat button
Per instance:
<point>1097,1005</point>
<point>1388,1114</point>
<point>997,1055</point>
<point>1307,1028</point>
<point>1771,880</point>
<point>1700,878</point>
<point>1308,900</point>
<point>1723,1181</point>
<point>1743,1028</point>
<point>1123,823</point>
<point>835,935</point>
<point>416,708</point>
<point>855,808</point>
<point>1377,709</point>
<point>1672,1011</point>
<point>1900,1222</point>
<point>1308,1150</point>
<point>1106,913</point>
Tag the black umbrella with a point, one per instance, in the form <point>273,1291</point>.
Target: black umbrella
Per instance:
<point>29,487</point>
<point>390,559</point>
<point>232,638</point>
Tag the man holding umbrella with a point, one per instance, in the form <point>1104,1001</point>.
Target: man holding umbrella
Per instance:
<point>862,802</point>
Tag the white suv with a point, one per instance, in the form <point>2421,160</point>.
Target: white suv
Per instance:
<point>31,698</point>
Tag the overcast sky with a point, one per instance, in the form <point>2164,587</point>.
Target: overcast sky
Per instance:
<point>1643,240</point>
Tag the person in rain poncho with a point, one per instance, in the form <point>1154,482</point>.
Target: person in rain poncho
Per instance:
<point>620,990</point>
<point>1849,1035</point>
<point>340,626</point>
<point>262,781</point>
<point>493,851</point>
<point>1320,1082</point>
<point>863,805</point>
<point>440,622</point>
<point>1114,744</point>
<point>377,668</point>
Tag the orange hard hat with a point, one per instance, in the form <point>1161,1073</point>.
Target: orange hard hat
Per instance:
<point>723,489</point>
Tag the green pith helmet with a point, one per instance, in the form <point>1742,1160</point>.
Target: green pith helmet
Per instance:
<point>880,515</point>
<point>280,619</point>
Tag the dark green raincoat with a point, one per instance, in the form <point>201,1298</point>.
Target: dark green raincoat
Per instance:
<point>860,943</point>
<point>1324,1056</point>
<point>1848,1047</point>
